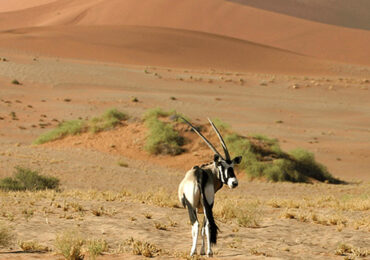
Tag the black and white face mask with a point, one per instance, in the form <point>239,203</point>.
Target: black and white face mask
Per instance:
<point>226,171</point>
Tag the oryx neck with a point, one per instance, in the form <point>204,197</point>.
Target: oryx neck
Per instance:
<point>211,167</point>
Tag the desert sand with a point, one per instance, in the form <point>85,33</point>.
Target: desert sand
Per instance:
<point>261,68</point>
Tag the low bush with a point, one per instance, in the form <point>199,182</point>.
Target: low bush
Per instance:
<point>64,129</point>
<point>162,138</point>
<point>263,157</point>
<point>26,179</point>
<point>108,120</point>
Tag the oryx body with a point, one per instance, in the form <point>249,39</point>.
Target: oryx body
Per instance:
<point>197,191</point>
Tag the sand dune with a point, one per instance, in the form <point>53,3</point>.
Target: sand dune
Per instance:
<point>352,14</point>
<point>211,16</point>
<point>14,5</point>
<point>158,46</point>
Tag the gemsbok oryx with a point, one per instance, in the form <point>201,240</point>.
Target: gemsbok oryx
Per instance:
<point>197,191</point>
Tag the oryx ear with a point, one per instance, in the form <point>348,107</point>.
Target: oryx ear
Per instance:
<point>237,160</point>
<point>216,157</point>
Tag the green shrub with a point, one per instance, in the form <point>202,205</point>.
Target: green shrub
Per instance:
<point>263,157</point>
<point>16,82</point>
<point>64,129</point>
<point>162,138</point>
<point>10,184</point>
<point>26,179</point>
<point>108,120</point>
<point>306,163</point>
<point>157,112</point>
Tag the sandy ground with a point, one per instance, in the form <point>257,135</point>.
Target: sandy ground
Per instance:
<point>76,59</point>
<point>326,115</point>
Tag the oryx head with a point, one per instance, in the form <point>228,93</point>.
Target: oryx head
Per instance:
<point>224,166</point>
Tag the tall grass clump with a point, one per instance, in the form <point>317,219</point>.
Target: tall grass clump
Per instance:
<point>108,120</point>
<point>6,236</point>
<point>263,157</point>
<point>70,244</point>
<point>162,138</point>
<point>96,247</point>
<point>26,179</point>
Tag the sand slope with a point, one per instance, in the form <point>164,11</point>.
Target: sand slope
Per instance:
<point>352,14</point>
<point>14,5</point>
<point>211,16</point>
<point>159,46</point>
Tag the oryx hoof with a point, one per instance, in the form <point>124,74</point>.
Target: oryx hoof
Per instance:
<point>202,251</point>
<point>210,254</point>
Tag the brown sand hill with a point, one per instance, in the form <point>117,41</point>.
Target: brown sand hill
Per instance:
<point>15,5</point>
<point>352,14</point>
<point>160,47</point>
<point>211,16</point>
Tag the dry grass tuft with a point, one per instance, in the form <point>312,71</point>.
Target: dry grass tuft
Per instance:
<point>100,211</point>
<point>69,244</point>
<point>159,198</point>
<point>256,251</point>
<point>247,214</point>
<point>96,247</point>
<point>148,215</point>
<point>185,255</point>
<point>32,246</point>
<point>6,236</point>
<point>122,163</point>
<point>138,247</point>
<point>351,252</point>
<point>160,226</point>
<point>326,220</point>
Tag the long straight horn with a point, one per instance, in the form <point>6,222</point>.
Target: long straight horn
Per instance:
<point>204,139</point>
<point>221,140</point>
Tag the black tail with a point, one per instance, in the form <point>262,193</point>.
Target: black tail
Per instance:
<point>202,178</point>
<point>209,216</point>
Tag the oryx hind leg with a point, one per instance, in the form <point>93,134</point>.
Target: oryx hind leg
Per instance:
<point>203,233</point>
<point>195,225</point>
